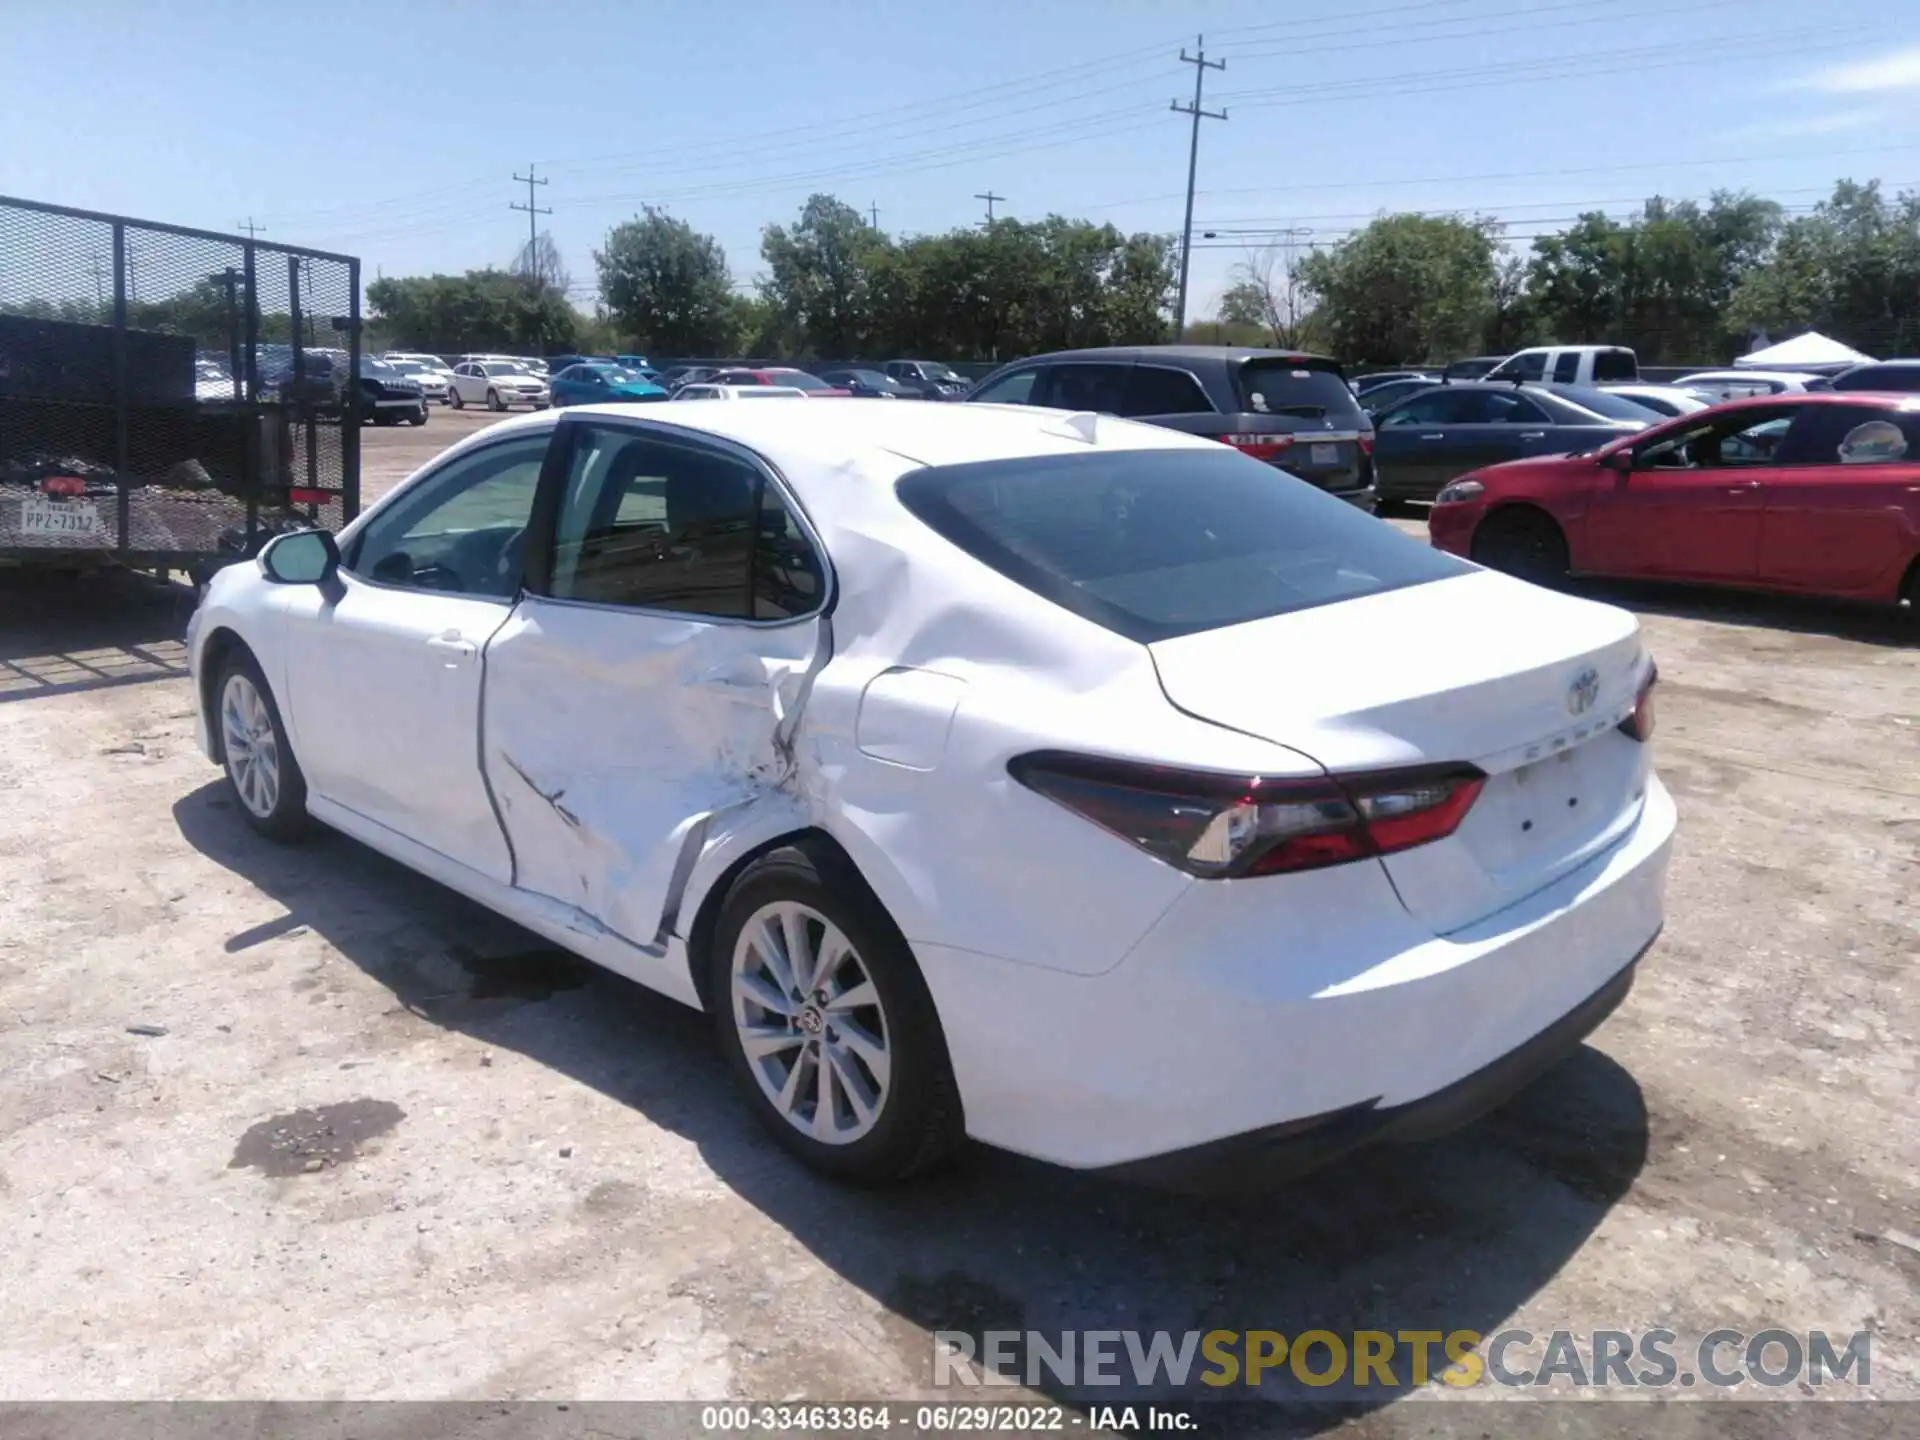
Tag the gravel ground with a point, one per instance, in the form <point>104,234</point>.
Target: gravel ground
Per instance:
<point>296,1123</point>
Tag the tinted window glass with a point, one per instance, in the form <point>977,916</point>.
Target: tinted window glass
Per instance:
<point>1834,435</point>
<point>1157,543</point>
<point>1100,388</point>
<point>1901,378</point>
<point>1746,437</point>
<point>1014,389</point>
<point>462,529</point>
<point>1156,390</point>
<point>1285,387</point>
<point>1527,365</point>
<point>1604,403</point>
<point>787,575</point>
<point>1381,396</point>
<point>1567,368</point>
<point>1613,366</point>
<point>1510,407</point>
<point>1449,406</point>
<point>1161,390</point>
<point>655,524</point>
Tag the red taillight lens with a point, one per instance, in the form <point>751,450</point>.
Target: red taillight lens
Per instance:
<point>1366,442</point>
<point>1640,723</point>
<point>1260,447</point>
<point>63,485</point>
<point>308,497</point>
<point>1221,827</point>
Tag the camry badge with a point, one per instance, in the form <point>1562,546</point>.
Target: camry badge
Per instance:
<point>1583,691</point>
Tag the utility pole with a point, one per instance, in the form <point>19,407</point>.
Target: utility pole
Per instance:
<point>873,213</point>
<point>99,289</point>
<point>989,197</point>
<point>533,214</point>
<point>1200,65</point>
<point>253,230</point>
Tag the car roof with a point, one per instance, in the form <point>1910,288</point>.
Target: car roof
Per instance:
<point>828,433</point>
<point>1181,352</point>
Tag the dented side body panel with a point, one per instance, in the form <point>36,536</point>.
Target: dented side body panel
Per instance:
<point>622,744</point>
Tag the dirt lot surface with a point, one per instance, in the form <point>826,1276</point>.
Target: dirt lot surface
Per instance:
<point>296,1123</point>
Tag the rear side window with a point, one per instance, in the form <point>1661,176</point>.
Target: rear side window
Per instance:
<point>1152,544</point>
<point>1156,390</point>
<point>1286,387</point>
<point>1566,369</point>
<point>1851,435</point>
<point>1605,403</point>
<point>1614,367</point>
<point>1100,388</point>
<point>1904,379</point>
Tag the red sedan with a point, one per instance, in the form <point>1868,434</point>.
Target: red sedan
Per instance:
<point>777,375</point>
<point>1817,494</point>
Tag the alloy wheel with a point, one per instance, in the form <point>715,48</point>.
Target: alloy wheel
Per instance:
<point>253,751</point>
<point>811,1023</point>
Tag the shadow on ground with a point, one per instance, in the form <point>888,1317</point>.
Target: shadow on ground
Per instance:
<point>1449,1235</point>
<point>1800,614</point>
<point>61,633</point>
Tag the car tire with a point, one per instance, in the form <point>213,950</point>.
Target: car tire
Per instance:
<point>1910,592</point>
<point>800,1025</point>
<point>494,402</point>
<point>262,774</point>
<point>1523,542</point>
<point>419,417</point>
<point>1389,507</point>
<point>454,402</point>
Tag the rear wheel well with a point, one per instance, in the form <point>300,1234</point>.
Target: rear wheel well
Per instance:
<point>707,919</point>
<point>213,658</point>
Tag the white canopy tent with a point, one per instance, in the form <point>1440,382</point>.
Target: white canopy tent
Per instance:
<point>1811,351</point>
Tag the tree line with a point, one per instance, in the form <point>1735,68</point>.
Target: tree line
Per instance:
<point>1680,281</point>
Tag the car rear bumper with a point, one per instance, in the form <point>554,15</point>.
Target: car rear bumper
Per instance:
<point>1234,1025</point>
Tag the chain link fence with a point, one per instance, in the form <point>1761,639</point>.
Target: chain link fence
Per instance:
<point>169,398</point>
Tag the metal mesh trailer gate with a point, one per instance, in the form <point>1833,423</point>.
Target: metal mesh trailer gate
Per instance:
<point>169,398</point>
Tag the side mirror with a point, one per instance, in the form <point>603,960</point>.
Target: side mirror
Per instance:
<point>1619,461</point>
<point>304,557</point>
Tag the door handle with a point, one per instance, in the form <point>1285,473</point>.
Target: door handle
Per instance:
<point>454,643</point>
<point>1433,437</point>
<point>1533,434</point>
<point>1743,487</point>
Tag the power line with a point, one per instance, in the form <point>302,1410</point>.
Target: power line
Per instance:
<point>534,212</point>
<point>253,231</point>
<point>1200,65</point>
<point>989,197</point>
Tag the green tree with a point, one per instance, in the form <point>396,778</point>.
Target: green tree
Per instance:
<point>667,286</point>
<point>1407,288</point>
<point>1851,270</point>
<point>480,310</point>
<point>819,280</point>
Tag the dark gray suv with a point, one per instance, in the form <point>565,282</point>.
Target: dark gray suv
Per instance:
<point>1293,411</point>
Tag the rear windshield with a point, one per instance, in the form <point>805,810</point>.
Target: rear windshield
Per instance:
<point>1284,387</point>
<point>798,379</point>
<point>1603,402</point>
<point>1152,544</point>
<point>1613,366</point>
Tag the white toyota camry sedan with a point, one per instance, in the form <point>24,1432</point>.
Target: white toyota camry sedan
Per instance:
<point>1079,786</point>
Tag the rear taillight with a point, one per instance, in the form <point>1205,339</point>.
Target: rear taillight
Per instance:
<point>1366,442</point>
<point>308,497</point>
<point>63,485</point>
<point>1221,827</point>
<point>1639,724</point>
<point>1260,447</point>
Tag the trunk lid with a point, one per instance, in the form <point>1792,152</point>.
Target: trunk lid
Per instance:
<point>1529,685</point>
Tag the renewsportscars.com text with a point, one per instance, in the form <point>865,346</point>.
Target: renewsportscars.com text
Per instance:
<point>1371,1361</point>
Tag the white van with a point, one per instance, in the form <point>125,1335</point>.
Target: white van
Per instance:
<point>1570,365</point>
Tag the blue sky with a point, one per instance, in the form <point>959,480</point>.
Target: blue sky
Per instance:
<point>391,130</point>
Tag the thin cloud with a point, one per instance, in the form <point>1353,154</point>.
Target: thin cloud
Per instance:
<point>1786,129</point>
<point>1899,70</point>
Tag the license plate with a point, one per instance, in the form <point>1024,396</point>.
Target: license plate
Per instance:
<point>41,516</point>
<point>1325,455</point>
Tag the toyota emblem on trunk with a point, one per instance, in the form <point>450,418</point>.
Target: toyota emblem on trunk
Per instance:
<point>1584,690</point>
